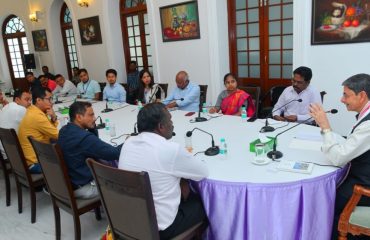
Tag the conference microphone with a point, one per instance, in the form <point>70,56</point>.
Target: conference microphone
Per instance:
<point>268,128</point>
<point>101,125</point>
<point>57,100</point>
<point>181,99</point>
<point>274,154</point>
<point>135,133</point>
<point>107,109</point>
<point>211,151</point>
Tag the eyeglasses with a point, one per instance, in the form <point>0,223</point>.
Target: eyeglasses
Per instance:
<point>297,82</point>
<point>49,99</point>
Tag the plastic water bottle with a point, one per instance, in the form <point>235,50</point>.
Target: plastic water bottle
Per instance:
<point>223,148</point>
<point>244,114</point>
<point>107,126</point>
<point>139,105</point>
<point>204,109</point>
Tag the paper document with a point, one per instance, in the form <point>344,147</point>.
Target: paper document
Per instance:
<point>305,144</point>
<point>312,136</point>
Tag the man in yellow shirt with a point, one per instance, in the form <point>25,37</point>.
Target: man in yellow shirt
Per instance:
<point>41,123</point>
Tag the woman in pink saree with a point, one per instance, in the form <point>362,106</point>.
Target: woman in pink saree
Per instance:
<point>231,100</point>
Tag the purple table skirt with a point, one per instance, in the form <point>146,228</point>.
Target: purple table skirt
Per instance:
<point>301,210</point>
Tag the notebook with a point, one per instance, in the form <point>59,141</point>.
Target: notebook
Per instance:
<point>293,166</point>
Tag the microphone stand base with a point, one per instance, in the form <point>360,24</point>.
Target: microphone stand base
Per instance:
<point>267,129</point>
<point>212,151</point>
<point>57,102</point>
<point>107,110</point>
<point>200,119</point>
<point>100,126</point>
<point>274,155</point>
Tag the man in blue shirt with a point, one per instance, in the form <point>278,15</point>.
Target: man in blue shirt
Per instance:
<point>78,141</point>
<point>185,96</point>
<point>89,89</point>
<point>132,81</point>
<point>113,91</point>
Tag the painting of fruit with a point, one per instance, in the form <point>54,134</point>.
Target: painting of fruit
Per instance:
<point>340,21</point>
<point>180,21</point>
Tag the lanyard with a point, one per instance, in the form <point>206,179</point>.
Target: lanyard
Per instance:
<point>83,87</point>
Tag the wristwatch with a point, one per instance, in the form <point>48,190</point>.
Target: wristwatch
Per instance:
<point>323,131</point>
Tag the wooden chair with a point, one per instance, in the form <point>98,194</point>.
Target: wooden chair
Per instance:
<point>355,219</point>
<point>60,188</point>
<point>19,166</point>
<point>164,86</point>
<point>273,96</point>
<point>102,86</point>
<point>132,194</point>
<point>125,86</point>
<point>203,93</point>
<point>7,170</point>
<point>255,92</point>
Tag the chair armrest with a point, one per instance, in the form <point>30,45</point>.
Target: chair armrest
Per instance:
<point>358,191</point>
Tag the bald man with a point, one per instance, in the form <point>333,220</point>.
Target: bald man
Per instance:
<point>185,95</point>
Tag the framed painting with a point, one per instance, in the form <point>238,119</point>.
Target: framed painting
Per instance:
<point>40,40</point>
<point>90,30</point>
<point>180,21</point>
<point>347,21</point>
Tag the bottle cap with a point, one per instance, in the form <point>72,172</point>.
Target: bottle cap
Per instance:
<point>222,139</point>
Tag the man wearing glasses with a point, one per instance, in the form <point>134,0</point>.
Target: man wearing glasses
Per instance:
<point>41,123</point>
<point>296,111</point>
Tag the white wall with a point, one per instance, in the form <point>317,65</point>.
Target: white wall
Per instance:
<point>331,64</point>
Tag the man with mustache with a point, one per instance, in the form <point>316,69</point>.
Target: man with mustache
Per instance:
<point>300,89</point>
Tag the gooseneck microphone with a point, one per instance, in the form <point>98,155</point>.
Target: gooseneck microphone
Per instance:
<point>135,133</point>
<point>199,118</point>
<point>268,128</point>
<point>211,151</point>
<point>274,154</point>
<point>101,125</point>
<point>107,109</point>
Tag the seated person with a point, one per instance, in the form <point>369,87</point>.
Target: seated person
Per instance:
<point>148,91</point>
<point>47,83</point>
<point>45,70</point>
<point>166,163</point>
<point>75,78</point>
<point>231,100</point>
<point>88,89</point>
<point>355,149</point>
<point>32,80</point>
<point>113,91</point>
<point>41,123</point>
<point>132,81</point>
<point>79,140</point>
<point>13,113</point>
<point>64,87</point>
<point>300,89</point>
<point>190,93</point>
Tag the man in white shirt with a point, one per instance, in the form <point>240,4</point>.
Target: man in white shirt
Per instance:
<point>13,113</point>
<point>64,87</point>
<point>166,163</point>
<point>295,111</point>
<point>355,149</point>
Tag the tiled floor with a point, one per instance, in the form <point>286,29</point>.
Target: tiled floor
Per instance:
<point>14,226</point>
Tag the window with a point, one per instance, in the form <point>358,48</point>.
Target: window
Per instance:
<point>261,41</point>
<point>16,46</point>
<point>70,49</point>
<point>135,30</point>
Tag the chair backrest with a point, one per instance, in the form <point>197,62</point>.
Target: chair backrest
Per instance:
<point>275,93</point>
<point>102,86</point>
<point>125,86</point>
<point>322,94</point>
<point>203,93</point>
<point>164,86</point>
<point>255,92</point>
<point>128,201</point>
<point>55,171</point>
<point>14,153</point>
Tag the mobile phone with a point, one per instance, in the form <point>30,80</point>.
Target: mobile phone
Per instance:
<point>189,114</point>
<point>252,119</point>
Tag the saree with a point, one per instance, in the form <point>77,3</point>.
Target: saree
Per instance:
<point>231,104</point>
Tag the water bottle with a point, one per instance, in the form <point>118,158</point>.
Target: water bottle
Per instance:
<point>223,148</point>
<point>107,126</point>
<point>204,109</point>
<point>244,114</point>
<point>139,105</point>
